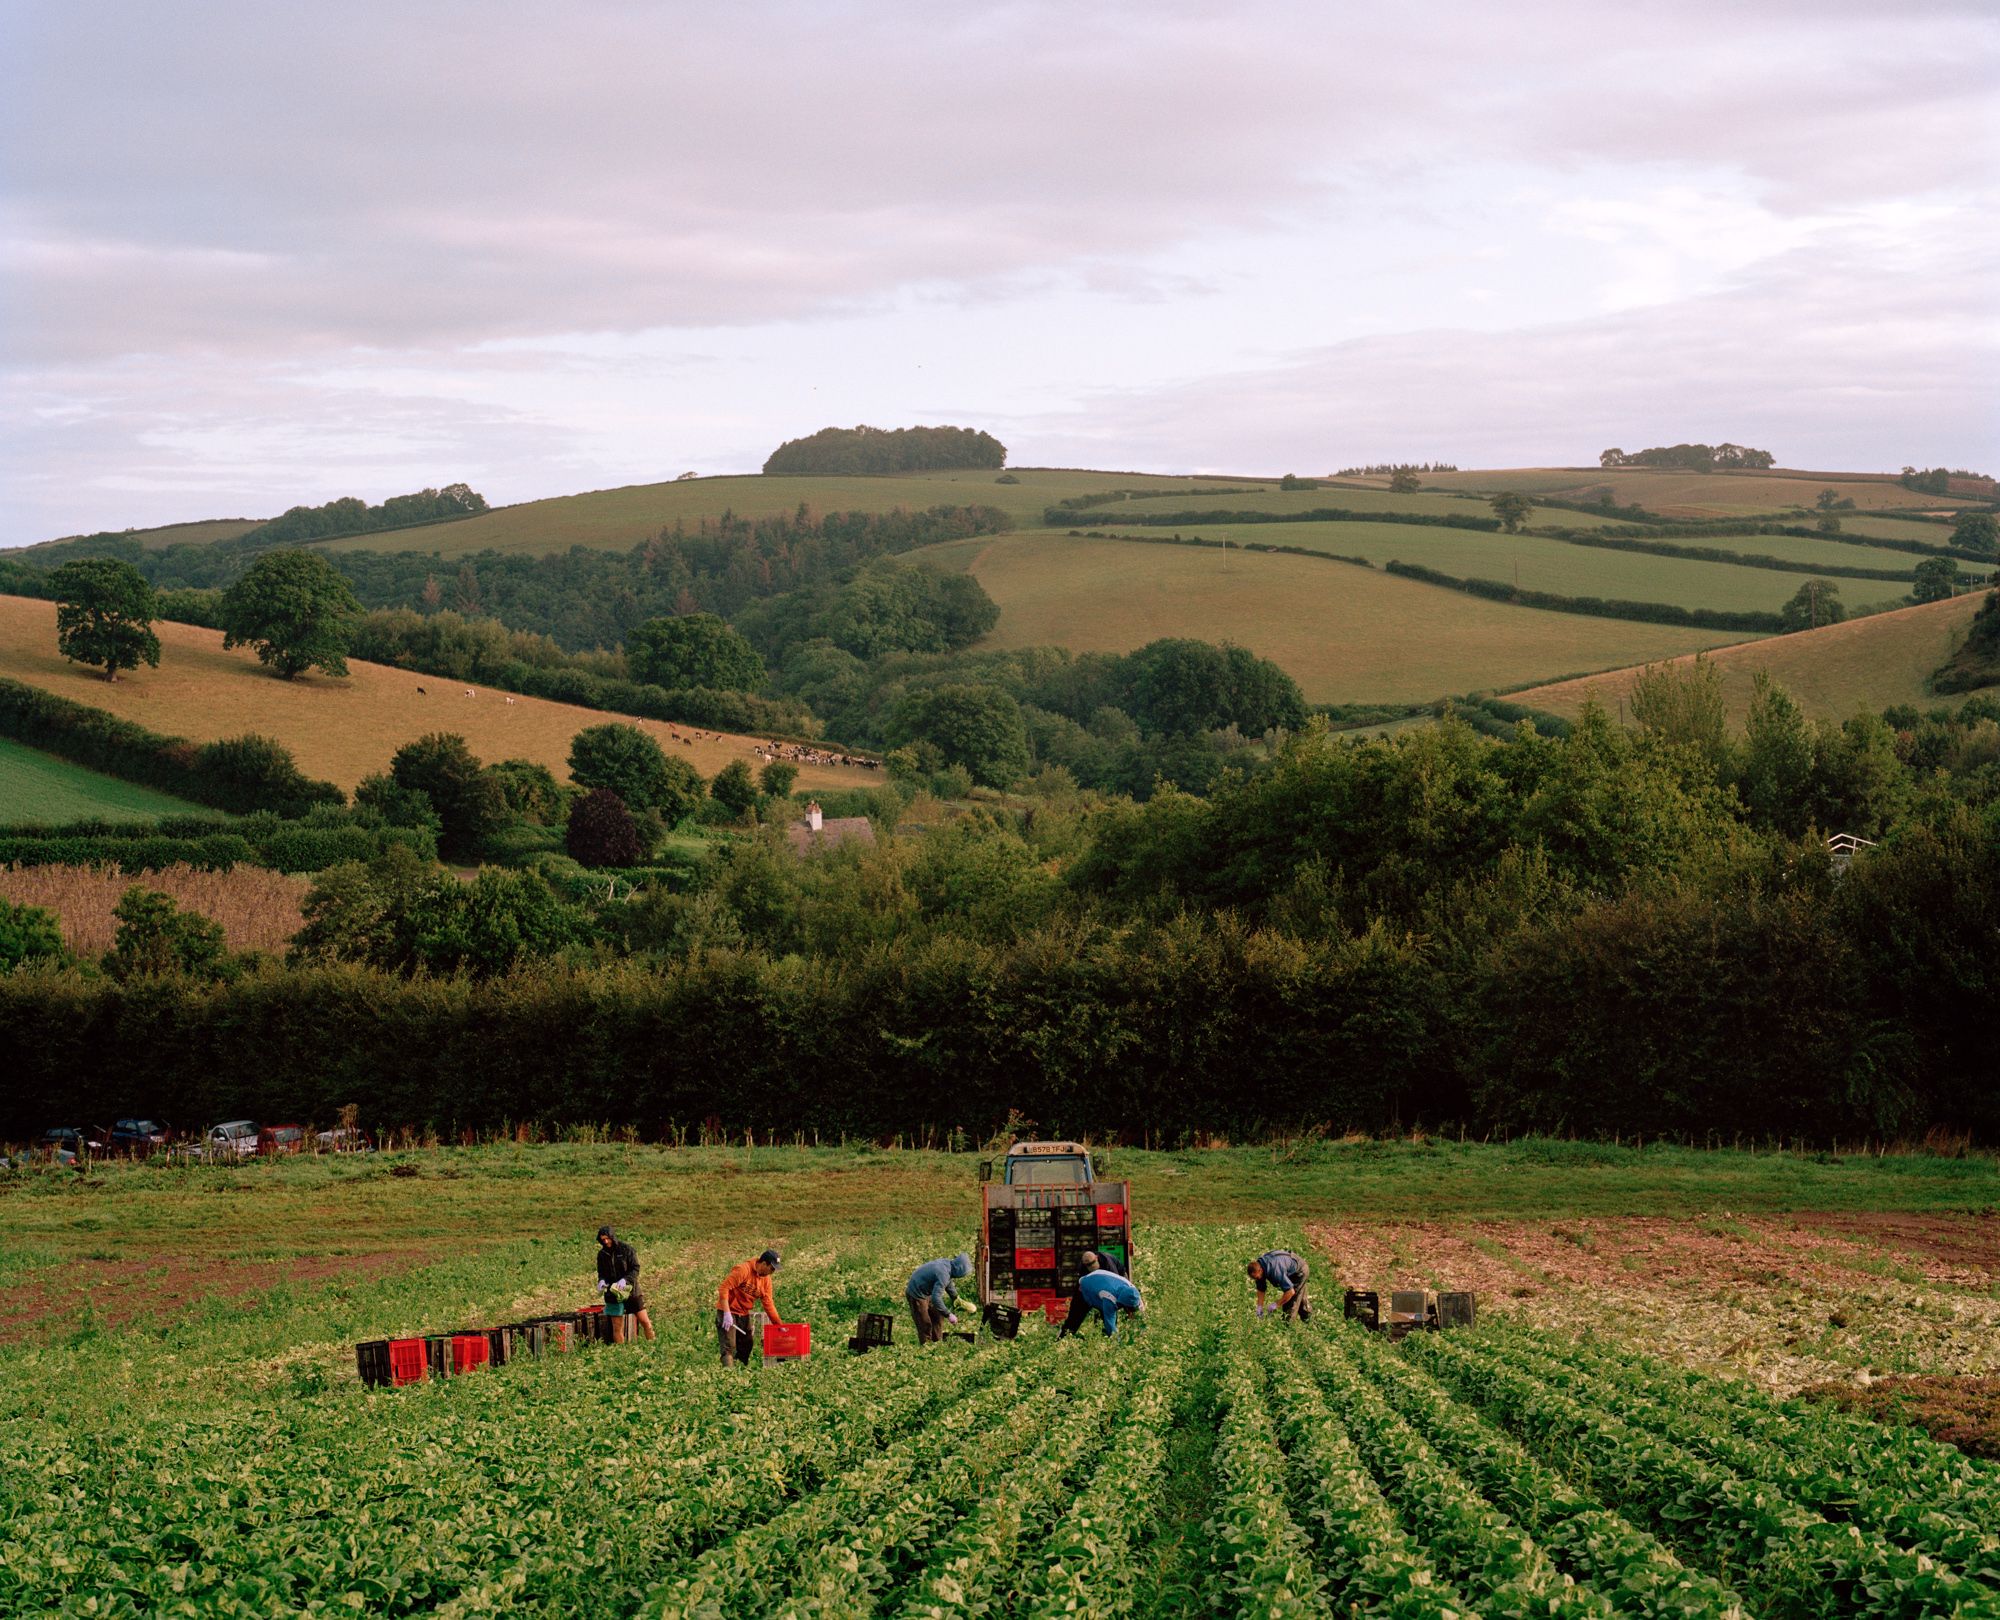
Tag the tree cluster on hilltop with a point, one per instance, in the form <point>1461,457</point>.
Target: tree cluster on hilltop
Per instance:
<point>349,515</point>
<point>887,450</point>
<point>1693,457</point>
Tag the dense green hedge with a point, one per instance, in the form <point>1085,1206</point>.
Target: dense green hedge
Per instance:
<point>1057,516</point>
<point>1755,559</point>
<point>212,844</point>
<point>1596,607</point>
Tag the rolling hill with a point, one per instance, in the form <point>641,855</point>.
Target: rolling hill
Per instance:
<point>39,787</point>
<point>1834,672</point>
<point>1671,492</point>
<point>340,730</point>
<point>1346,634</point>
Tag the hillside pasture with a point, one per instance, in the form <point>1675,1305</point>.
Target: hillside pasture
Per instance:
<point>1551,565</point>
<point>258,908</point>
<point>186,534</point>
<point>1671,492</point>
<point>341,730</point>
<point>1841,670</point>
<point>39,787</point>
<point>1346,634</point>
<point>618,519</point>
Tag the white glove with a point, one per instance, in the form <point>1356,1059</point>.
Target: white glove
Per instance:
<point>728,1322</point>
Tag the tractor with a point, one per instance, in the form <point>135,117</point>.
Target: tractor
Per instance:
<point>1045,1208</point>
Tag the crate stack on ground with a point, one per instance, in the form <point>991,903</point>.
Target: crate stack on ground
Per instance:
<point>393,1363</point>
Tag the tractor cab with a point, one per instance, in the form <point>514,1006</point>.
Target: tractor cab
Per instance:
<point>1046,1164</point>
<point>1039,1216</point>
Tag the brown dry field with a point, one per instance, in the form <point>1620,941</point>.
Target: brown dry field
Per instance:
<point>1345,634</point>
<point>258,908</point>
<point>1670,492</point>
<point>340,730</point>
<point>1835,672</point>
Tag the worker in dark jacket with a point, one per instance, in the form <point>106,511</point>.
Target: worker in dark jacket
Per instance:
<point>1286,1272</point>
<point>1101,1290</point>
<point>618,1281</point>
<point>932,1297</point>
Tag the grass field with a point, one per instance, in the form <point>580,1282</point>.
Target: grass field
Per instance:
<point>228,1461</point>
<point>1833,673</point>
<point>340,730</point>
<point>1670,493</point>
<point>619,519</point>
<point>258,908</point>
<point>193,534</point>
<point>1346,634</point>
<point>1551,565</point>
<point>39,787</point>
<point>1344,497</point>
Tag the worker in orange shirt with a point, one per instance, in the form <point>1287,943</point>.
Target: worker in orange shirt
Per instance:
<point>745,1288</point>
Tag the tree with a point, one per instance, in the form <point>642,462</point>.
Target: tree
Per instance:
<point>497,921</point>
<point>697,649</point>
<point>104,615</point>
<point>632,765</point>
<point>1977,532</point>
<point>1777,759</point>
<point>294,609</point>
<point>1828,523</point>
<point>602,833</point>
<point>533,794</point>
<point>1936,579</point>
<point>28,934</point>
<point>1511,507</point>
<point>155,936</point>
<point>734,788</point>
<point>974,724</point>
<point>1611,458</point>
<point>470,805</point>
<point>874,450</point>
<point>1404,481</point>
<point>1681,705</point>
<point>1828,499</point>
<point>776,779</point>
<point>1816,602</point>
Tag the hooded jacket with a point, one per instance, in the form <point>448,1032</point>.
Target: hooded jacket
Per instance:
<point>617,1261</point>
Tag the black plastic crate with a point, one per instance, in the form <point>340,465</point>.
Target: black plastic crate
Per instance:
<point>1362,1305</point>
<point>437,1353</point>
<point>1077,1218</point>
<point>1003,1321</point>
<point>860,1347</point>
<point>1000,1278</point>
<point>1034,1279</point>
<point>876,1327</point>
<point>371,1360</point>
<point>999,1224</point>
<point>499,1346</point>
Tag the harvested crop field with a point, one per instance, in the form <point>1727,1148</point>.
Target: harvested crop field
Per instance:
<point>1833,672</point>
<point>341,730</point>
<point>258,908</point>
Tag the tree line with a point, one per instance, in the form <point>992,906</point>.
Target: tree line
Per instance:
<point>1693,457</point>
<point>892,450</point>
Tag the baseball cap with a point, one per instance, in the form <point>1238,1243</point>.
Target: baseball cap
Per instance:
<point>770,1258</point>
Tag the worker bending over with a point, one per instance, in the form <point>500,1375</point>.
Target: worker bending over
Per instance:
<point>745,1288</point>
<point>1102,1291</point>
<point>932,1296</point>
<point>1286,1272</point>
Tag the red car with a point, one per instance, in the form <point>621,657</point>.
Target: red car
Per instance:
<point>275,1139</point>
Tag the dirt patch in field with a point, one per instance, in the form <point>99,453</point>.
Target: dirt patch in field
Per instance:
<point>1962,1251</point>
<point>162,1287</point>
<point>1964,1412</point>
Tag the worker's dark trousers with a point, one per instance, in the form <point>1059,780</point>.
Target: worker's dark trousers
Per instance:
<point>924,1314</point>
<point>735,1345</point>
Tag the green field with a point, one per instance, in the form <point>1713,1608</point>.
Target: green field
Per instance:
<point>227,1460</point>
<point>1346,634</point>
<point>1843,669</point>
<point>1672,493</point>
<point>622,518</point>
<point>1343,497</point>
<point>1565,570</point>
<point>39,787</point>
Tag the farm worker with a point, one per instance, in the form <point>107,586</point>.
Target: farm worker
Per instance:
<point>1286,1272</point>
<point>1102,1291</point>
<point>931,1295</point>
<point>745,1288</point>
<point>618,1267</point>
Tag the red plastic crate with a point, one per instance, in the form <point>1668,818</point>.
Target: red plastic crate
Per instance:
<point>1057,1311</point>
<point>1034,1259</point>
<point>469,1350</point>
<point>1111,1215</point>
<point>786,1340</point>
<point>406,1361</point>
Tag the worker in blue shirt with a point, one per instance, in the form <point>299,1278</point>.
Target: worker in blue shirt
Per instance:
<point>931,1295</point>
<point>1286,1272</point>
<point>1102,1291</point>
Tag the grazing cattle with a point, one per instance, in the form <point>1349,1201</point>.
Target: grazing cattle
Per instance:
<point>421,692</point>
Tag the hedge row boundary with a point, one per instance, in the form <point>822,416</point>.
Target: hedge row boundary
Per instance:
<point>1595,607</point>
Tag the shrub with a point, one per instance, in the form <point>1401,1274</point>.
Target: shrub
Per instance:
<point>28,934</point>
<point>156,937</point>
<point>602,833</point>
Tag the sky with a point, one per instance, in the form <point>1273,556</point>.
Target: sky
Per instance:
<point>256,256</point>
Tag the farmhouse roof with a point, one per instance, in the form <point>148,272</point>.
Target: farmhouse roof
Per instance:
<point>830,834</point>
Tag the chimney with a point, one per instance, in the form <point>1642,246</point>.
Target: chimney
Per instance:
<point>812,816</point>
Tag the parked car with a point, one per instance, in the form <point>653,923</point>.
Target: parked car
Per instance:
<point>344,1140</point>
<point>276,1139</point>
<point>65,1142</point>
<point>236,1137</point>
<point>139,1137</point>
